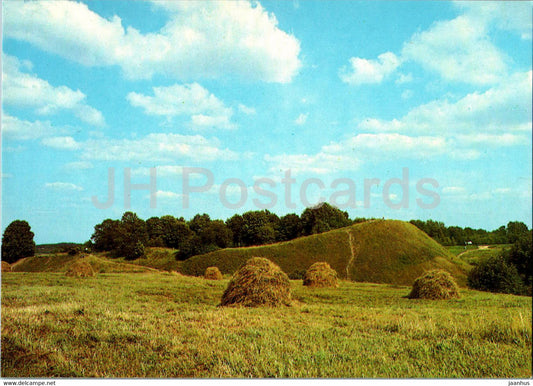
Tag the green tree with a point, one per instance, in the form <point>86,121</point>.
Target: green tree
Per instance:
<point>199,222</point>
<point>216,233</point>
<point>515,230</point>
<point>132,232</point>
<point>323,218</point>
<point>105,235</point>
<point>17,241</point>
<point>154,228</point>
<point>235,224</point>
<point>257,228</point>
<point>290,227</point>
<point>175,231</point>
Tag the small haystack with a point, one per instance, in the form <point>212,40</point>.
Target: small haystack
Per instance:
<point>213,273</point>
<point>80,268</point>
<point>437,284</point>
<point>320,275</point>
<point>6,267</point>
<point>259,282</point>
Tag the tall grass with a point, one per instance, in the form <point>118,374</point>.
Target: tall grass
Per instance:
<point>168,325</point>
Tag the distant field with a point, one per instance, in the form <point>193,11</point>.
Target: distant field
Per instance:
<point>473,254</point>
<point>157,324</point>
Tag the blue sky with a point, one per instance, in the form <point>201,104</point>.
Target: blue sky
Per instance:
<point>433,95</point>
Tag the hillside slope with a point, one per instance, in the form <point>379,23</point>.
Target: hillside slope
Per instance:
<point>380,251</point>
<point>61,261</point>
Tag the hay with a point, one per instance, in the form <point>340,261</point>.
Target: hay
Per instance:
<point>437,284</point>
<point>80,269</point>
<point>321,275</point>
<point>6,267</point>
<point>259,282</point>
<point>213,273</point>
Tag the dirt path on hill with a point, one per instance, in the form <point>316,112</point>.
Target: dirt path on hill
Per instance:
<point>19,261</point>
<point>353,251</point>
<point>462,253</point>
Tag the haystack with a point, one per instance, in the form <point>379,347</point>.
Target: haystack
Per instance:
<point>213,273</point>
<point>80,268</point>
<point>259,282</point>
<point>437,284</point>
<point>321,275</point>
<point>6,267</point>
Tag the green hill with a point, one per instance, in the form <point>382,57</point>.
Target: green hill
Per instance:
<point>379,251</point>
<point>60,262</point>
<point>159,258</point>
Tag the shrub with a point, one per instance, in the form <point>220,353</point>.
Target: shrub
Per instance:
<point>321,275</point>
<point>259,282</point>
<point>73,251</point>
<point>437,284</point>
<point>496,275</point>
<point>80,268</point>
<point>213,273</point>
<point>138,251</point>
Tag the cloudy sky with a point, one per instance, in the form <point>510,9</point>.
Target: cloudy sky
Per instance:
<point>339,94</point>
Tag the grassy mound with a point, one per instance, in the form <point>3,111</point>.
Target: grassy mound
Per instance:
<point>436,285</point>
<point>380,251</point>
<point>80,268</point>
<point>258,283</point>
<point>61,261</point>
<point>321,275</point>
<point>163,259</point>
<point>213,273</point>
<point>6,267</point>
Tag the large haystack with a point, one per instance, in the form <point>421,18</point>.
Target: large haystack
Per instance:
<point>321,275</point>
<point>437,284</point>
<point>213,273</point>
<point>80,268</point>
<point>259,282</point>
<point>6,267</point>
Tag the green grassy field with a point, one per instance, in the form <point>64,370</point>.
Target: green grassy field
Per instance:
<point>474,254</point>
<point>157,324</point>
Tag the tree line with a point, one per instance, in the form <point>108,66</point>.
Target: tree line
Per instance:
<point>128,236</point>
<point>455,235</point>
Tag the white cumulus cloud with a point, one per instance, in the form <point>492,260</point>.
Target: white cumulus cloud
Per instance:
<point>459,50</point>
<point>504,108</point>
<point>369,71</point>
<point>156,147</point>
<point>193,100</point>
<point>18,129</point>
<point>61,143</point>
<point>22,89</point>
<point>200,39</point>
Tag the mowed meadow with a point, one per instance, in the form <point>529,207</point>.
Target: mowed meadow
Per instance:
<point>163,324</point>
